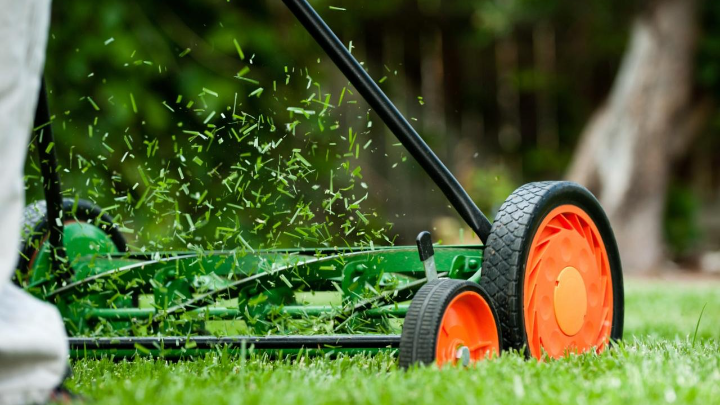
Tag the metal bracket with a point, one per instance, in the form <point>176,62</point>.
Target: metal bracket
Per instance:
<point>464,265</point>
<point>427,254</point>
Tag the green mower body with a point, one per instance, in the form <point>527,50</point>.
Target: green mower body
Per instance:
<point>236,292</point>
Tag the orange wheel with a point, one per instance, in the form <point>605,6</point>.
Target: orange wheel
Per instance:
<point>449,322</point>
<point>552,265</point>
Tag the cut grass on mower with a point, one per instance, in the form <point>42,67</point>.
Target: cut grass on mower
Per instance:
<point>662,360</point>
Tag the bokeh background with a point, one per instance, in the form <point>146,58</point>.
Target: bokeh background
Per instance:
<point>618,95</point>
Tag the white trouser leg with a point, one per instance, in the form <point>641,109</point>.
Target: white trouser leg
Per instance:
<point>33,348</point>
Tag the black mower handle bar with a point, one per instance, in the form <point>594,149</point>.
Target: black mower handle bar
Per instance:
<point>390,115</point>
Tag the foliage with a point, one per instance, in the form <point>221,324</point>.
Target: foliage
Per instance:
<point>680,220</point>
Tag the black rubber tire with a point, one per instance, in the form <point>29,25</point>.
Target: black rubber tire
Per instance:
<point>508,245</point>
<point>420,330</point>
<point>35,226</point>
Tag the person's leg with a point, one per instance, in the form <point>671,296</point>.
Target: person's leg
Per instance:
<point>23,35</point>
<point>33,344</point>
<point>33,348</point>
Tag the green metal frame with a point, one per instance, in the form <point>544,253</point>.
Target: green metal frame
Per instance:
<point>200,293</point>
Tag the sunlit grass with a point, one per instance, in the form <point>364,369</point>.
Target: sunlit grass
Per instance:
<point>657,363</point>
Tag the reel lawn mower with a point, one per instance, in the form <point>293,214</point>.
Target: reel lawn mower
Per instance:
<point>547,279</point>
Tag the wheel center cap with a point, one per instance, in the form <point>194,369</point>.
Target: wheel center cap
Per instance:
<point>462,354</point>
<point>570,301</point>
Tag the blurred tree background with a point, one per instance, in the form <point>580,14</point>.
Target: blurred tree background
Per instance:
<point>505,92</point>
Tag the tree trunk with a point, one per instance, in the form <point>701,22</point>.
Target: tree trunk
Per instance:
<point>626,152</point>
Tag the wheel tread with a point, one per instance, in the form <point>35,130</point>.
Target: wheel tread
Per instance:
<point>503,267</point>
<point>418,341</point>
<point>503,256</point>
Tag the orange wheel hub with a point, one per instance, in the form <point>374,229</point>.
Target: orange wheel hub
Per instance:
<point>568,299</point>
<point>468,331</point>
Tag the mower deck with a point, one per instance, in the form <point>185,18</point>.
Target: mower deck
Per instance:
<point>180,293</point>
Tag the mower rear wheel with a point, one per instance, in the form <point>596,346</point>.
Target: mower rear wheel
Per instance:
<point>449,322</point>
<point>552,266</point>
<point>35,228</point>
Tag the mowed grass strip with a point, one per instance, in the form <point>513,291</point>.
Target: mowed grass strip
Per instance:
<point>657,363</point>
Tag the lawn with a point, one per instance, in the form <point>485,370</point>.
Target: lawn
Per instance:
<point>662,360</point>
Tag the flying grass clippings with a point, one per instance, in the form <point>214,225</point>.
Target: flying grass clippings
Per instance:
<point>294,179</point>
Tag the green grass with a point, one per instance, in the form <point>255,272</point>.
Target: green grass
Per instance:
<point>657,363</point>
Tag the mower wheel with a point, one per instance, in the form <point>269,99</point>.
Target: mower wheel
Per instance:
<point>449,322</point>
<point>35,227</point>
<point>552,266</point>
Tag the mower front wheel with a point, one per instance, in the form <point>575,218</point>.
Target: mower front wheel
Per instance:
<point>552,266</point>
<point>449,322</point>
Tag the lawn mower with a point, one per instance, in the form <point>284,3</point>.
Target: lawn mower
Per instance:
<point>547,280</point>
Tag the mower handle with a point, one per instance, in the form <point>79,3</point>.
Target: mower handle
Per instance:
<point>50,178</point>
<point>390,115</point>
